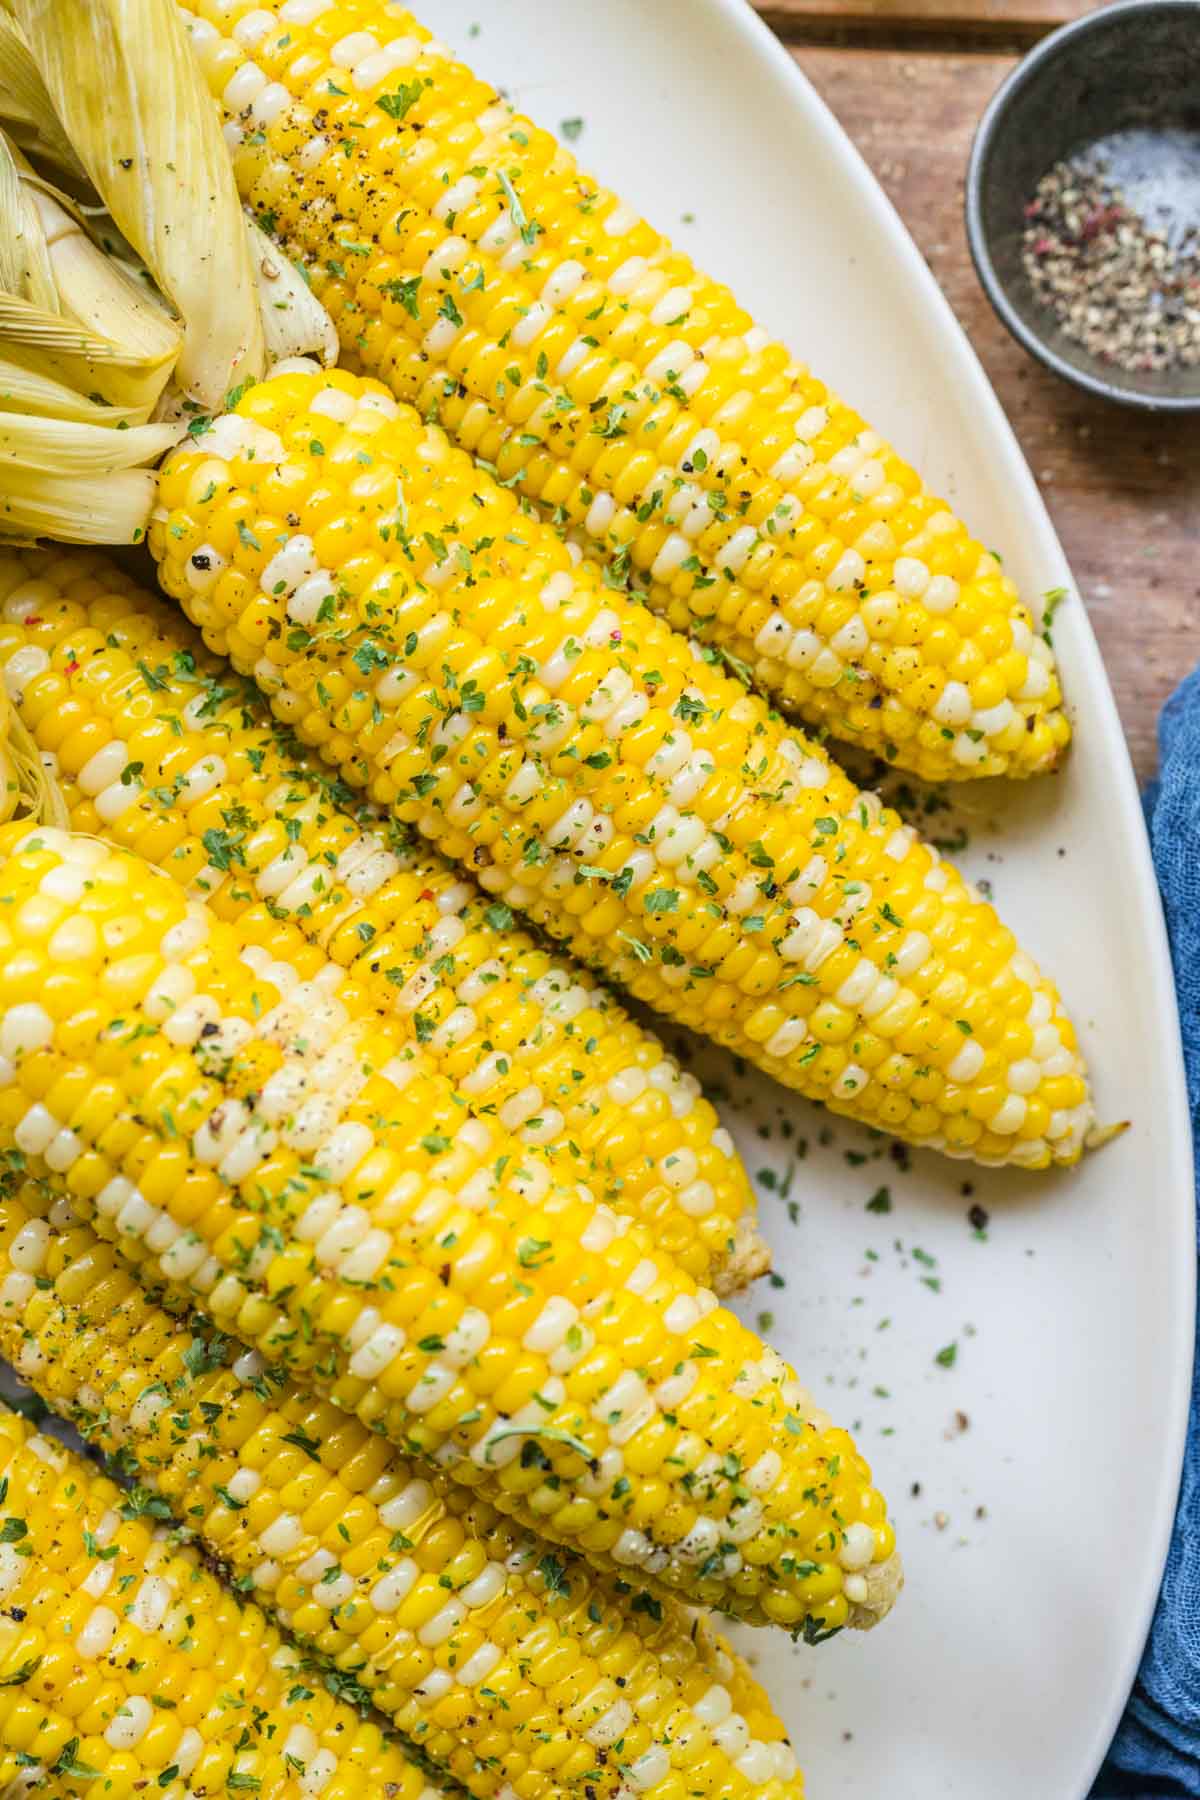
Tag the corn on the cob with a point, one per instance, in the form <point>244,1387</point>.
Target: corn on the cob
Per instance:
<point>591,767</point>
<point>167,753</point>
<point>507,1667</point>
<point>468,262</point>
<point>125,1667</point>
<point>258,1138</point>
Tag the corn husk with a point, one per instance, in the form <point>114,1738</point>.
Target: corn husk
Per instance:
<point>56,348</point>
<point>82,483</point>
<point>294,321</point>
<point>67,447</point>
<point>27,113</point>
<point>26,270</point>
<point>97,372</point>
<point>72,320</point>
<point>25,390</point>
<point>102,292</point>
<point>26,784</point>
<point>101,509</point>
<point>48,348</point>
<point>123,83</point>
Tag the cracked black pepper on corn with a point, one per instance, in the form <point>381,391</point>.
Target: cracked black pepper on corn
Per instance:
<point>590,766</point>
<point>466,260</point>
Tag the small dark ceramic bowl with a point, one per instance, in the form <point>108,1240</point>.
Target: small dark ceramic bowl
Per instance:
<point>1133,66</point>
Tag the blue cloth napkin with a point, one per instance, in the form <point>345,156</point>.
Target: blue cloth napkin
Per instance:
<point>1157,1747</point>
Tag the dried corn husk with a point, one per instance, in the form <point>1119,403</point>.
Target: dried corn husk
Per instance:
<point>71,318</point>
<point>26,270</point>
<point>26,784</point>
<point>26,390</point>
<point>90,350</point>
<point>55,348</point>
<point>66,447</point>
<point>87,353</point>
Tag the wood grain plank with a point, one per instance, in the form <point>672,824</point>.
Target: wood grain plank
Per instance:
<point>1011,22</point>
<point>1121,486</point>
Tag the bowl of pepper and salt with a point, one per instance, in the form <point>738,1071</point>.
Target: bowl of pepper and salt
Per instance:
<point>1083,203</point>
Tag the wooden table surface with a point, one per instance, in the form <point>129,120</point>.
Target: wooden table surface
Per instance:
<point>909,79</point>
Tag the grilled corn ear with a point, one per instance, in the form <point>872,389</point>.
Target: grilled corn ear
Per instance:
<point>590,766</point>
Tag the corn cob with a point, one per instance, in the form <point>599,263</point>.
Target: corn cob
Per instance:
<point>507,1667</point>
<point>257,1137</point>
<point>179,1688</point>
<point>467,262</point>
<point>167,753</point>
<point>591,767</point>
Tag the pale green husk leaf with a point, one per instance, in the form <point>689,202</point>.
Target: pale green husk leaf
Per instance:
<point>67,447</point>
<point>294,321</point>
<point>127,91</point>
<point>96,509</point>
<point>25,266</point>
<point>26,110</point>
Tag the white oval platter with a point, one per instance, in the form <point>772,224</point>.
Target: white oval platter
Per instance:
<point>1033,1479</point>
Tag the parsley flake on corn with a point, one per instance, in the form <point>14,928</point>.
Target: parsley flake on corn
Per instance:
<point>254,1135</point>
<point>468,262</point>
<point>166,752</point>
<point>590,766</point>
<point>126,1668</point>
<point>506,1666</point>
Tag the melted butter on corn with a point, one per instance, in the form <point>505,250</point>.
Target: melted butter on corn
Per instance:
<point>594,769</point>
<point>467,261</point>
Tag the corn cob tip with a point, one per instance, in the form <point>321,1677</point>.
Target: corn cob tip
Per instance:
<point>1100,1135</point>
<point>881,1585</point>
<point>748,1260</point>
